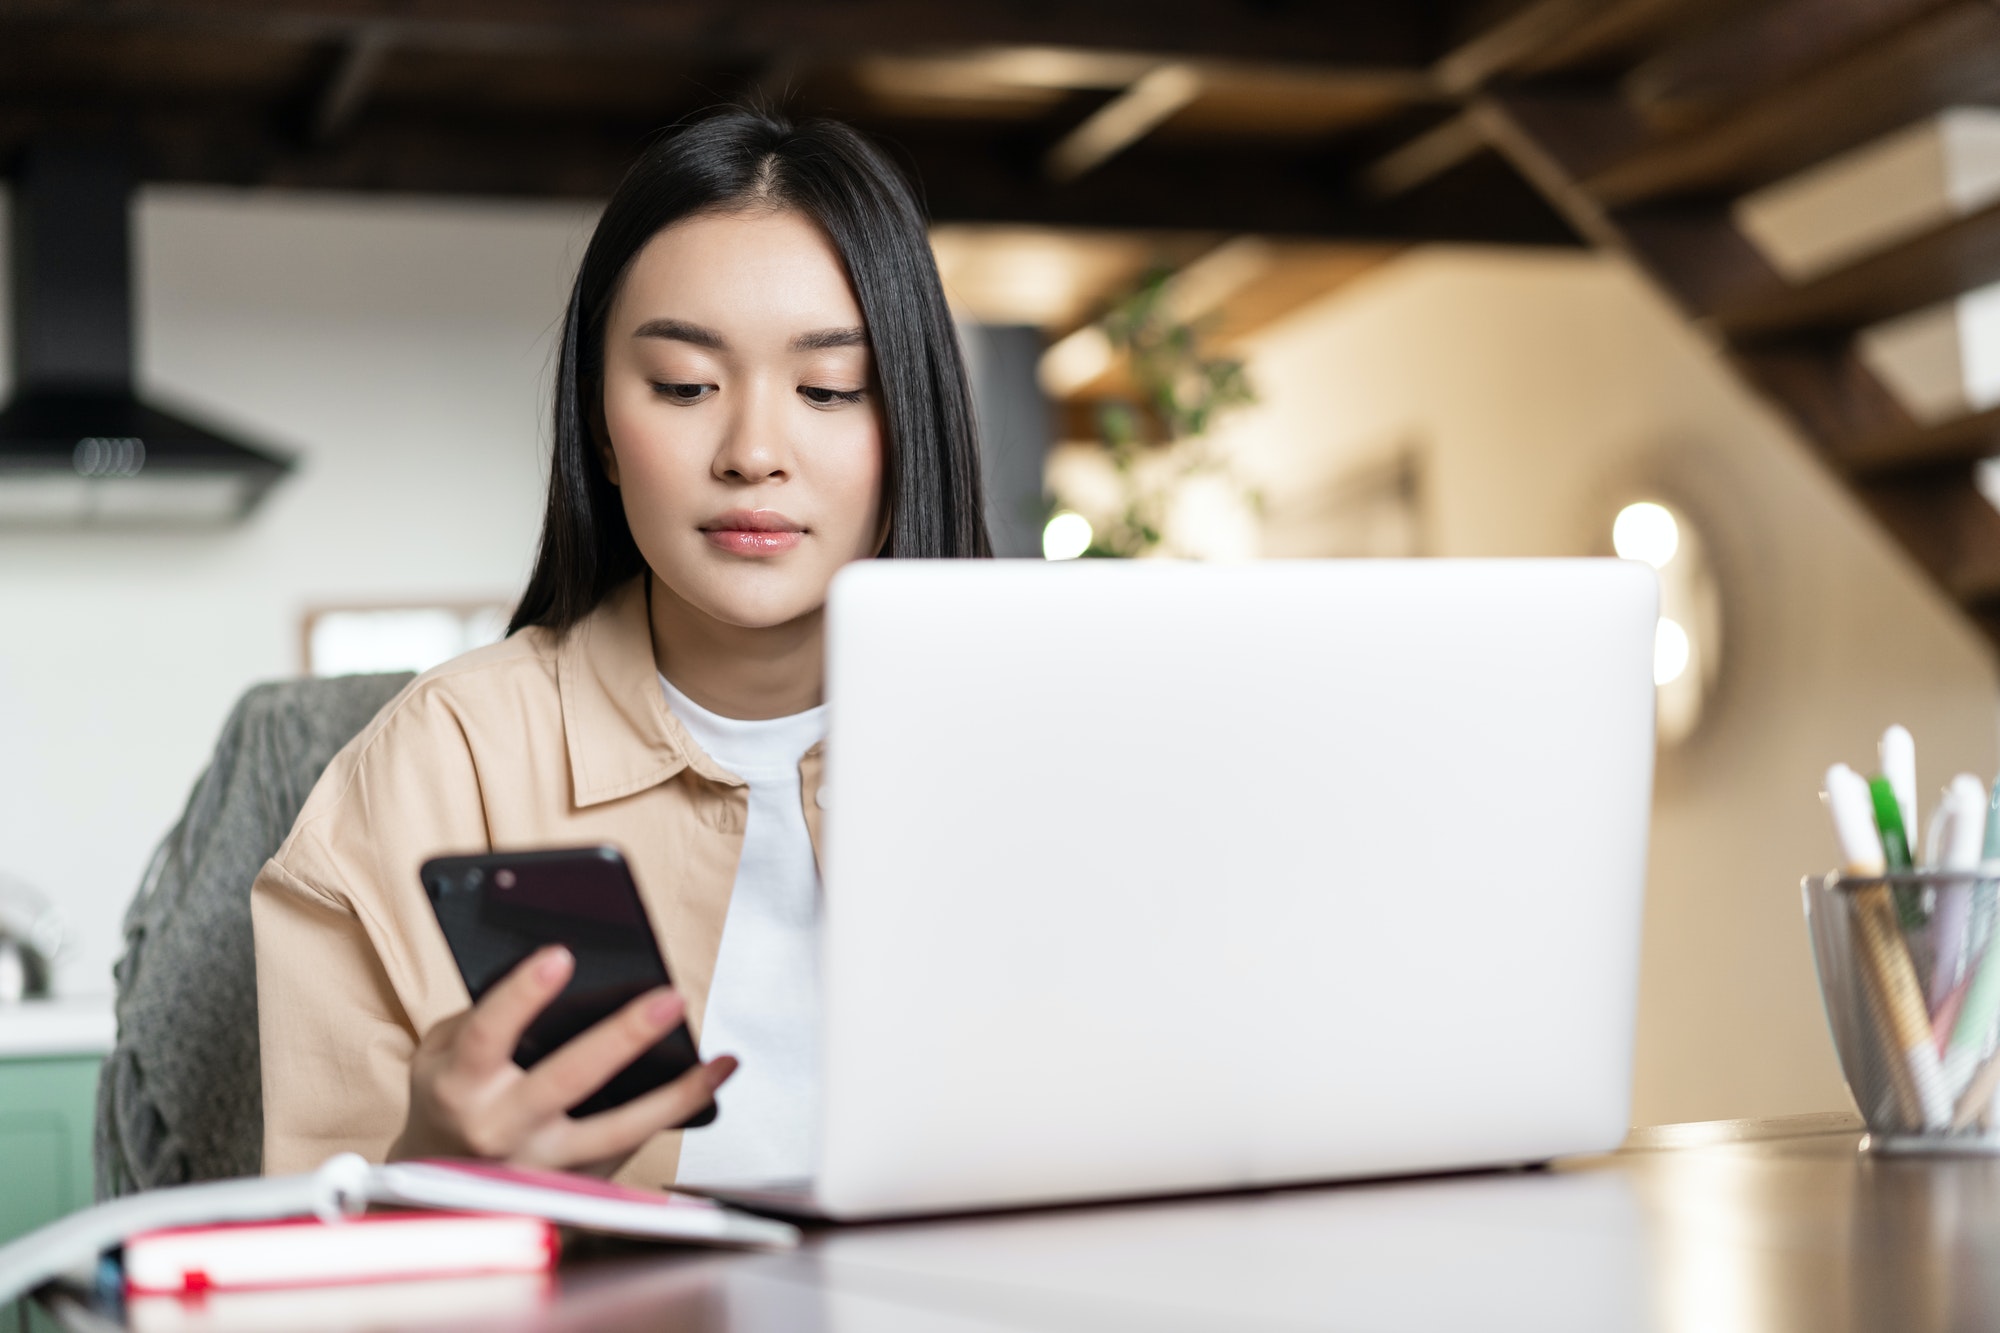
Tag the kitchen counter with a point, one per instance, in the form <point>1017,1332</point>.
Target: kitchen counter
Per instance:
<point>50,1053</point>
<point>72,1025</point>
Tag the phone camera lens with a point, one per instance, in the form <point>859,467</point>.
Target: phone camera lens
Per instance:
<point>472,879</point>
<point>504,878</point>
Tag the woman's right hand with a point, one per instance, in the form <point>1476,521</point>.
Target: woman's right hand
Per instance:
<point>469,1099</point>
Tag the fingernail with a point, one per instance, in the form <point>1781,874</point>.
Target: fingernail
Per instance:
<point>722,1066</point>
<point>663,1009</point>
<point>553,964</point>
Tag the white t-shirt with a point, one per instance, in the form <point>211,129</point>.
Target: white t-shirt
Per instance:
<point>763,1006</point>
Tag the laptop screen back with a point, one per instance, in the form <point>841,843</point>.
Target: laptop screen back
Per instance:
<point>1149,877</point>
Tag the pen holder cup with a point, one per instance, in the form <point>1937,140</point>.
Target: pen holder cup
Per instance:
<point>1909,971</point>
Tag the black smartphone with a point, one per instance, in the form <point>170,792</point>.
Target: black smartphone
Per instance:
<point>498,909</point>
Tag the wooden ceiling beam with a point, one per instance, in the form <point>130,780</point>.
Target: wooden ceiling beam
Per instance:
<point>1758,47</point>
<point>967,173</point>
<point>1703,259</point>
<point>1139,109</point>
<point>247,144</point>
<point>1611,34</point>
<point>1580,130</point>
<point>1664,200</point>
<point>1342,32</point>
<point>1424,158</point>
<point>1860,427</point>
<point>1951,57</point>
<point>1939,517</point>
<point>1797,341</point>
<point>1961,509</point>
<point>1720,276</point>
<point>1243,188</point>
<point>1933,267</point>
<point>348,82</point>
<point>1538,37</point>
<point>1915,477</point>
<point>1927,496</point>
<point>1837,401</point>
<point>1917,480</point>
<point>1510,40</point>
<point>1966,439</point>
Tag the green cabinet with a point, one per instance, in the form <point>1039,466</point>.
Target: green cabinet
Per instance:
<point>46,1107</point>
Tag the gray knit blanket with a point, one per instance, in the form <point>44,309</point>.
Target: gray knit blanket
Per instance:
<point>180,1098</point>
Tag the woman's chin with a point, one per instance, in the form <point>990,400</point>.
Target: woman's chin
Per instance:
<point>760,607</point>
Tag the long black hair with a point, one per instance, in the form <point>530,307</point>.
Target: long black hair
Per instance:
<point>745,159</point>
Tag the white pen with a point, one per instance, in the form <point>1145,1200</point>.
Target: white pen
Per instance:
<point>1853,812</point>
<point>1960,840</point>
<point>1934,836</point>
<point>1972,1032</point>
<point>1895,1000</point>
<point>1898,751</point>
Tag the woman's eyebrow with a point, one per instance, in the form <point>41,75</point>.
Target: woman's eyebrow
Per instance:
<point>679,330</point>
<point>821,339</point>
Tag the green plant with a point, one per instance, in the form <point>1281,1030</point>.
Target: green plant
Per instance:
<point>1156,439</point>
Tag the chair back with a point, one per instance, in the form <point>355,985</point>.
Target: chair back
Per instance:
<point>180,1098</point>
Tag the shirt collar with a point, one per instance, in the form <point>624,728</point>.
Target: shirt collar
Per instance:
<point>621,736</point>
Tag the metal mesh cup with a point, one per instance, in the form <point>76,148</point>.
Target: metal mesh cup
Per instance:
<point>1910,976</point>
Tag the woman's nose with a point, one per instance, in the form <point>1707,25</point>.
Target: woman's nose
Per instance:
<point>754,449</point>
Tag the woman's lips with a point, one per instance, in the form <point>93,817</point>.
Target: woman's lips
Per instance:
<point>763,532</point>
<point>737,541</point>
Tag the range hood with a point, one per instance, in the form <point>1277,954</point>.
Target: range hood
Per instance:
<point>77,445</point>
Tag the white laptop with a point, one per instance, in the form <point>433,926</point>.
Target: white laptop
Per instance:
<point>1148,878</point>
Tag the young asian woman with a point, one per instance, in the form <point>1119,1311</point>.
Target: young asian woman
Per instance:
<point>758,382</point>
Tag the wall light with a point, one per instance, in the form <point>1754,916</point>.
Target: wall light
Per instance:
<point>1671,651</point>
<point>1646,531</point>
<point>1066,537</point>
<point>1687,642</point>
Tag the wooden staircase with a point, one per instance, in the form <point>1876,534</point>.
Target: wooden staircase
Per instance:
<point>1643,121</point>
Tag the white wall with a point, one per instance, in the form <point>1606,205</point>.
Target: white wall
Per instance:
<point>1546,390</point>
<point>402,350</point>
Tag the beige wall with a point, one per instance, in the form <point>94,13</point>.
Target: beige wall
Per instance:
<point>1544,392</point>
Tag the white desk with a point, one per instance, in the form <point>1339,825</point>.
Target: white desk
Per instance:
<point>1778,1226</point>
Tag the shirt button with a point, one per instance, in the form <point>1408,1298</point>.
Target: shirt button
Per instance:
<point>819,798</point>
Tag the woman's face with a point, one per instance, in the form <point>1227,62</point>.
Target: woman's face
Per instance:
<point>740,405</point>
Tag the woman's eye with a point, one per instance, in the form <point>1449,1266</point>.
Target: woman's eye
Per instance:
<point>820,397</point>
<point>683,393</point>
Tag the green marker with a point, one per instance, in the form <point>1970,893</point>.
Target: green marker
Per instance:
<point>1896,850</point>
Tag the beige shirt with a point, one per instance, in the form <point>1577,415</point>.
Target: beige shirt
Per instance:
<point>538,741</point>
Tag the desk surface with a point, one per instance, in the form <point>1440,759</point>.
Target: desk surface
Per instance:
<point>1771,1225</point>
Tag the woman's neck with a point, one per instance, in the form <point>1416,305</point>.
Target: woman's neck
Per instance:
<point>748,674</point>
